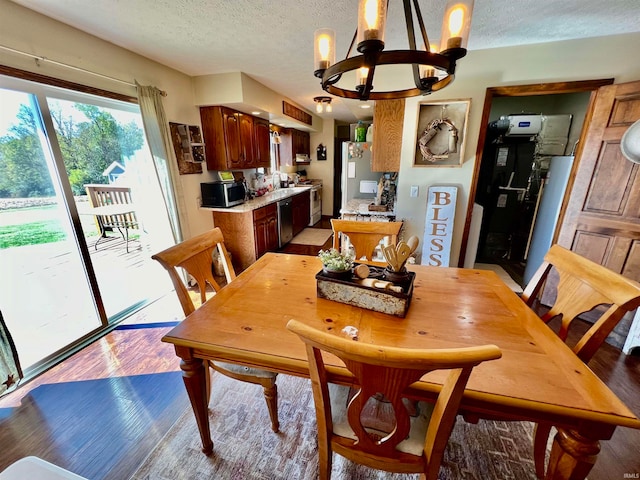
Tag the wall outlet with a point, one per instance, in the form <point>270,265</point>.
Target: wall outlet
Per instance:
<point>414,191</point>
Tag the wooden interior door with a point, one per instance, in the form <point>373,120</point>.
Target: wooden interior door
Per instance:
<point>602,218</point>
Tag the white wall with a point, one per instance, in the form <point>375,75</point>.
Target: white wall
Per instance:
<point>242,92</point>
<point>595,58</point>
<point>323,169</point>
<point>27,31</point>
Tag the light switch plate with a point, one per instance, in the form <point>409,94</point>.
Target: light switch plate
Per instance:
<point>414,191</point>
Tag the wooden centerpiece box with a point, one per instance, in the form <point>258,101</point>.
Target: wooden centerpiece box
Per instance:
<point>348,288</point>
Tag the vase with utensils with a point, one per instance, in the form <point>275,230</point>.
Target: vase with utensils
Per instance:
<point>396,257</point>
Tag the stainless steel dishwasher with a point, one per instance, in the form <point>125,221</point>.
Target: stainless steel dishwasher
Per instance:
<point>285,222</point>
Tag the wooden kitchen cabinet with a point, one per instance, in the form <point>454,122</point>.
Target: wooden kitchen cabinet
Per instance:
<point>301,142</point>
<point>262,139</point>
<point>247,140</point>
<point>388,119</point>
<point>230,138</point>
<point>239,238</point>
<point>301,206</point>
<point>294,142</point>
<point>265,229</point>
<point>248,235</point>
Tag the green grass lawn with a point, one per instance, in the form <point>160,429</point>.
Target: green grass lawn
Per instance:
<point>34,233</point>
<point>37,225</point>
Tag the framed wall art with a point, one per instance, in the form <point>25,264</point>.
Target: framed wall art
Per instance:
<point>441,133</point>
<point>188,147</point>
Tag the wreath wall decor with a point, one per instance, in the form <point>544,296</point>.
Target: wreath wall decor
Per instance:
<point>429,134</point>
<point>441,133</point>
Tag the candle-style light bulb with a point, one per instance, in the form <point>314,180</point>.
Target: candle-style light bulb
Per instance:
<point>329,108</point>
<point>318,107</point>
<point>428,71</point>
<point>324,49</point>
<point>372,15</point>
<point>456,25</point>
<point>456,20</point>
<point>361,76</point>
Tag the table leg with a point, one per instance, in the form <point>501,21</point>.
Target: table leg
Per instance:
<point>125,235</point>
<point>573,455</point>
<point>103,232</point>
<point>193,375</point>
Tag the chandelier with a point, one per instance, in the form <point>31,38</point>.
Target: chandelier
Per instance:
<point>433,66</point>
<point>323,104</point>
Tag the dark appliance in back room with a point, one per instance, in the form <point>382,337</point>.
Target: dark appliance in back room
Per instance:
<point>518,153</point>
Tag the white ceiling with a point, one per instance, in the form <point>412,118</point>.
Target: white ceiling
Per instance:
<point>272,41</point>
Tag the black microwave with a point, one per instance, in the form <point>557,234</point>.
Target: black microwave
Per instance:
<point>222,194</point>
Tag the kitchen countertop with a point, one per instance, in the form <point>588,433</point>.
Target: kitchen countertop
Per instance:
<point>310,181</point>
<point>262,201</point>
<point>359,206</point>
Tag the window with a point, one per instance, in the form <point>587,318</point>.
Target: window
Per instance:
<point>70,270</point>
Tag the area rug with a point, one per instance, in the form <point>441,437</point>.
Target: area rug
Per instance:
<point>244,447</point>
<point>312,236</point>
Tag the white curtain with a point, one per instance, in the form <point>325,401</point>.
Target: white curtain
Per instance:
<point>10,371</point>
<point>156,128</point>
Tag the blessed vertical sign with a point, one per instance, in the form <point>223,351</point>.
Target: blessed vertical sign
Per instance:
<point>438,227</point>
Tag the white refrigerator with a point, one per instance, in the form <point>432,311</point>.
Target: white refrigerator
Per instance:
<point>358,181</point>
<point>548,212</point>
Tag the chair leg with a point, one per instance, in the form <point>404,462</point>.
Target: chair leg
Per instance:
<point>540,439</point>
<point>271,396</point>
<point>325,457</point>
<point>208,380</point>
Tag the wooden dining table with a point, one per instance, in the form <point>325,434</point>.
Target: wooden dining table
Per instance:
<point>538,378</point>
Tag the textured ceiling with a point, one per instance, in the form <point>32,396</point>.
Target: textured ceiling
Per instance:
<point>272,41</point>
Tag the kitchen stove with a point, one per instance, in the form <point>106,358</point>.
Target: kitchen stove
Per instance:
<point>316,199</point>
<point>316,203</point>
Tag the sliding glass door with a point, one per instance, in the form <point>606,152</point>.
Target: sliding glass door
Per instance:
<point>44,294</point>
<point>109,167</point>
<point>68,269</point>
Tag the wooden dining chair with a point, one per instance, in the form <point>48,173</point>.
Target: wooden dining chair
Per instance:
<point>364,236</point>
<point>410,439</point>
<point>582,287</point>
<point>195,256</point>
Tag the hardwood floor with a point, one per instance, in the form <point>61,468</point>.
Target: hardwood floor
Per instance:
<point>621,373</point>
<point>297,249</point>
<point>100,412</point>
